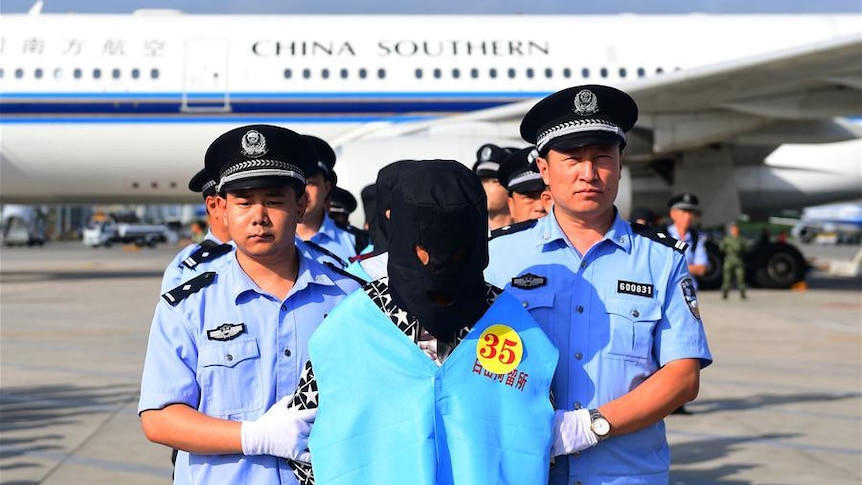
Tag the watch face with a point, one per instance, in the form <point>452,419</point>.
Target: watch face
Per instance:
<point>601,426</point>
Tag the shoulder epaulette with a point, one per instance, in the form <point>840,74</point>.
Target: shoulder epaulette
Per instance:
<point>345,273</point>
<point>513,228</point>
<point>321,249</point>
<point>361,236</point>
<point>180,293</point>
<point>206,251</point>
<point>659,236</point>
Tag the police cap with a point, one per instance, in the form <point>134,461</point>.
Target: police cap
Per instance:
<point>578,116</point>
<point>517,172</point>
<point>488,159</point>
<point>203,183</point>
<point>341,201</point>
<point>325,158</point>
<point>685,201</point>
<point>259,156</point>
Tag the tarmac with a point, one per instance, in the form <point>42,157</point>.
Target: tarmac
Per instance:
<point>782,403</point>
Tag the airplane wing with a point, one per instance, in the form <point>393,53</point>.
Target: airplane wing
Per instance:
<point>790,95</point>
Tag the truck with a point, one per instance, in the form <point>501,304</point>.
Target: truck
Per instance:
<point>106,231</point>
<point>24,226</point>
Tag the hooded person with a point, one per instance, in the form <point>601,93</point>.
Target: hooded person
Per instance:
<point>466,369</point>
<point>371,265</point>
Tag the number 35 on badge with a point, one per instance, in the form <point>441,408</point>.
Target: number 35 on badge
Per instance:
<point>500,349</point>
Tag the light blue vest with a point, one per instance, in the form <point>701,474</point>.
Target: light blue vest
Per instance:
<point>389,415</point>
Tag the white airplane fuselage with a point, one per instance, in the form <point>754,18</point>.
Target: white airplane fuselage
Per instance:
<point>109,108</point>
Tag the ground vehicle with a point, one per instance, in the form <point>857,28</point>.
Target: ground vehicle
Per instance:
<point>767,265</point>
<point>106,231</point>
<point>25,226</point>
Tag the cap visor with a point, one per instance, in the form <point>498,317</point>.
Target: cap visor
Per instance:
<point>686,207</point>
<point>577,140</point>
<point>259,182</point>
<point>527,187</point>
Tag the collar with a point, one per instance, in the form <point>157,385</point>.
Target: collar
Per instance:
<point>310,273</point>
<point>327,228</point>
<point>212,237</point>
<point>549,230</point>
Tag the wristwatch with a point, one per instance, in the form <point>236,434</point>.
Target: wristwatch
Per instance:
<point>599,425</point>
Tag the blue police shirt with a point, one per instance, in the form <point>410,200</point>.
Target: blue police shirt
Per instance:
<point>231,351</point>
<point>617,314</point>
<point>335,239</point>
<point>176,272</point>
<point>698,254</point>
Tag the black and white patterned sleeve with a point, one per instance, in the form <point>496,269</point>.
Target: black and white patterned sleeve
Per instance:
<point>305,397</point>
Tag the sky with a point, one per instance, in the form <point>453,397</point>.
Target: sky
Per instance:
<point>441,6</point>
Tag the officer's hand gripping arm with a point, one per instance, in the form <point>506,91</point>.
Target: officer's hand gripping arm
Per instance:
<point>282,431</point>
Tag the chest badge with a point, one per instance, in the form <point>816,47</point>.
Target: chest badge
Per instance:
<point>637,289</point>
<point>226,331</point>
<point>529,281</point>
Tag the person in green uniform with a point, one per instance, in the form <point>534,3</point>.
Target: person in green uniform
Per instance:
<point>733,247</point>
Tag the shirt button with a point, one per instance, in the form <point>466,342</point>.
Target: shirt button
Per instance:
<point>577,405</point>
<point>546,237</point>
<point>576,454</point>
<point>636,313</point>
<point>583,264</point>
<point>524,303</point>
<point>580,309</point>
<point>577,482</point>
<point>579,355</point>
<point>228,358</point>
<point>287,352</point>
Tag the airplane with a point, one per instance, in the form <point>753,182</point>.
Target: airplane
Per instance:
<point>835,223</point>
<point>751,112</point>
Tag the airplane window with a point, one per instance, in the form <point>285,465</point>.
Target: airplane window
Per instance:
<point>1,72</point>
<point>154,73</point>
<point>381,73</point>
<point>136,73</point>
<point>677,68</point>
<point>622,72</point>
<point>641,72</point>
<point>19,73</point>
<point>474,73</point>
<point>456,73</point>
<point>530,72</point>
<point>288,73</point>
<point>418,73</point>
<point>135,185</point>
<point>363,73</point>
<point>511,72</point>
<point>97,73</point>
<point>344,74</point>
<point>492,73</point>
<point>549,73</point>
<point>115,74</point>
<point>306,73</point>
<point>58,73</point>
<point>659,70</point>
<point>77,73</point>
<point>567,73</point>
<point>154,185</point>
<point>604,72</point>
<point>38,73</point>
<point>437,73</point>
<point>585,73</point>
<point>324,73</point>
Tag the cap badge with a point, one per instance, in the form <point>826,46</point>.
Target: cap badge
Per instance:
<point>486,154</point>
<point>586,103</point>
<point>253,144</point>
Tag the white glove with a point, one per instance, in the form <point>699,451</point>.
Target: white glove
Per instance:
<point>572,432</point>
<point>281,431</point>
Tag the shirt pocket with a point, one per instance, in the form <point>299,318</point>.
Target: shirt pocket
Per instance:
<point>631,323</point>
<point>230,376</point>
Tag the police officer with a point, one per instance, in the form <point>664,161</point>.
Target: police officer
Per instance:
<point>316,225</point>
<point>618,303</point>
<point>394,414</point>
<point>199,257</point>
<point>684,211</point>
<point>524,185</point>
<point>733,247</point>
<point>226,350</point>
<point>341,204</point>
<point>488,159</point>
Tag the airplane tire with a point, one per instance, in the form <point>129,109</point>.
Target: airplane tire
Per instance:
<point>778,266</point>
